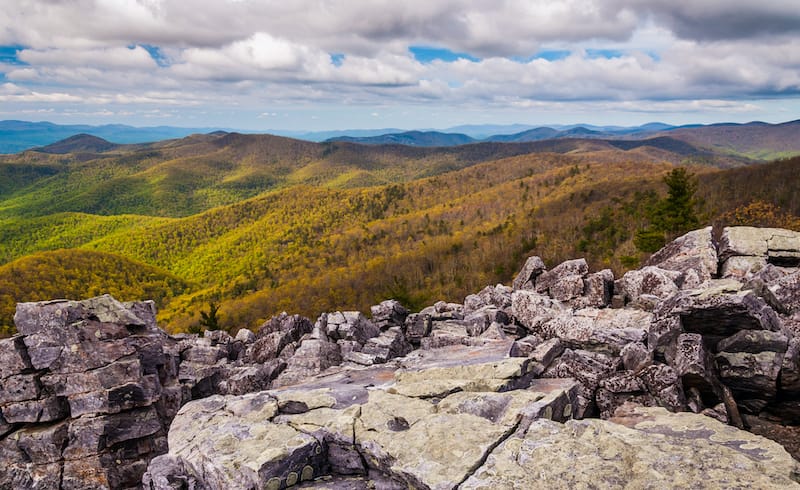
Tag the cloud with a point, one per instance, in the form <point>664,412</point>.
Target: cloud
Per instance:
<point>722,19</point>
<point>112,57</point>
<point>272,54</point>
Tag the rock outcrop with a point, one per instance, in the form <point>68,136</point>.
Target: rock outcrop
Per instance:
<point>88,391</point>
<point>646,380</point>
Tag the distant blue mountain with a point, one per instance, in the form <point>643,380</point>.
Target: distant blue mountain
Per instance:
<point>16,136</point>
<point>438,138</point>
<point>411,138</point>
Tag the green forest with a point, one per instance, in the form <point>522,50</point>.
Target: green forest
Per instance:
<point>255,225</point>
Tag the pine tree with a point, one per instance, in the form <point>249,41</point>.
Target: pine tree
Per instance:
<point>209,320</point>
<point>673,215</point>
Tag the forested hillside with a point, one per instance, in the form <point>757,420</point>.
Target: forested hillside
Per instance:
<point>260,224</point>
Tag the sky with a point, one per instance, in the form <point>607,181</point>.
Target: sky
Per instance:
<point>308,65</point>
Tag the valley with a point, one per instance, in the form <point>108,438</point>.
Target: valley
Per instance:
<point>260,224</point>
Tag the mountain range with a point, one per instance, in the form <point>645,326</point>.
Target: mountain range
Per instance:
<point>247,221</point>
<point>16,136</point>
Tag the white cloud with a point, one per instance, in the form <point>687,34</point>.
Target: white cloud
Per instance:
<point>136,58</point>
<point>269,53</point>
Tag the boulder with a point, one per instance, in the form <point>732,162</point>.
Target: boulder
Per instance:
<point>389,313</point>
<point>531,270</point>
<point>744,250</point>
<point>692,362</point>
<point>749,363</point>
<point>351,325</point>
<point>600,330</point>
<point>498,296</point>
<point>650,280</point>
<point>389,436</point>
<point>564,282</point>
<point>693,255</point>
<point>588,369</point>
<point>721,310</point>
<point>417,326</point>
<point>597,290</point>
<point>388,345</point>
<point>524,346</point>
<point>532,309</point>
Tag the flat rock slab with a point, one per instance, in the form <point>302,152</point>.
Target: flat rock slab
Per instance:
<point>645,448</point>
<point>378,422</point>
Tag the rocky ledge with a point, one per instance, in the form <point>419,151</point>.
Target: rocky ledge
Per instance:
<point>566,379</point>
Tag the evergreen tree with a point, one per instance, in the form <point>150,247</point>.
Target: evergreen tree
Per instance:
<point>673,215</point>
<point>209,320</point>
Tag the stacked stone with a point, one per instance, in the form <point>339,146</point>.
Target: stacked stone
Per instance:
<point>87,395</point>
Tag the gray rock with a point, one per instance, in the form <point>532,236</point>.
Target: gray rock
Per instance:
<point>600,330</point>
<point>13,357</point>
<point>718,312</point>
<point>662,335</point>
<point>351,325</point>
<point>597,288</point>
<point>531,270</point>
<point>640,448</point>
<point>635,356</point>
<point>389,313</point>
<point>751,370</point>
<point>245,336</point>
<point>773,245</point>
<point>168,472</point>
<point>498,296</point>
<point>311,358</point>
<point>649,280</point>
<point>96,383</point>
<point>565,272</point>
<point>479,320</point>
<point>417,326</point>
<point>589,369</point>
<point>693,255</point>
<point>532,310</point>
<point>790,368</point>
<point>388,345</point>
<point>275,335</point>
<point>694,364</point>
<point>524,347</point>
<point>786,293</point>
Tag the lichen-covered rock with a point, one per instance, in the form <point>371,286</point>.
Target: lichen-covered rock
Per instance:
<point>589,369</point>
<point>417,326</point>
<point>749,363</point>
<point>565,282</point>
<point>498,296</point>
<point>88,390</point>
<point>648,280</point>
<point>745,250</point>
<point>532,309</point>
<point>600,330</point>
<point>396,434</point>
<point>388,345</point>
<point>693,255</point>
<point>597,290</point>
<point>531,270</point>
<point>643,448</point>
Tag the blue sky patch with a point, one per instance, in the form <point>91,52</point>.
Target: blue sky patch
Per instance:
<point>155,53</point>
<point>8,54</point>
<point>428,54</point>
<point>549,55</point>
<point>337,59</point>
